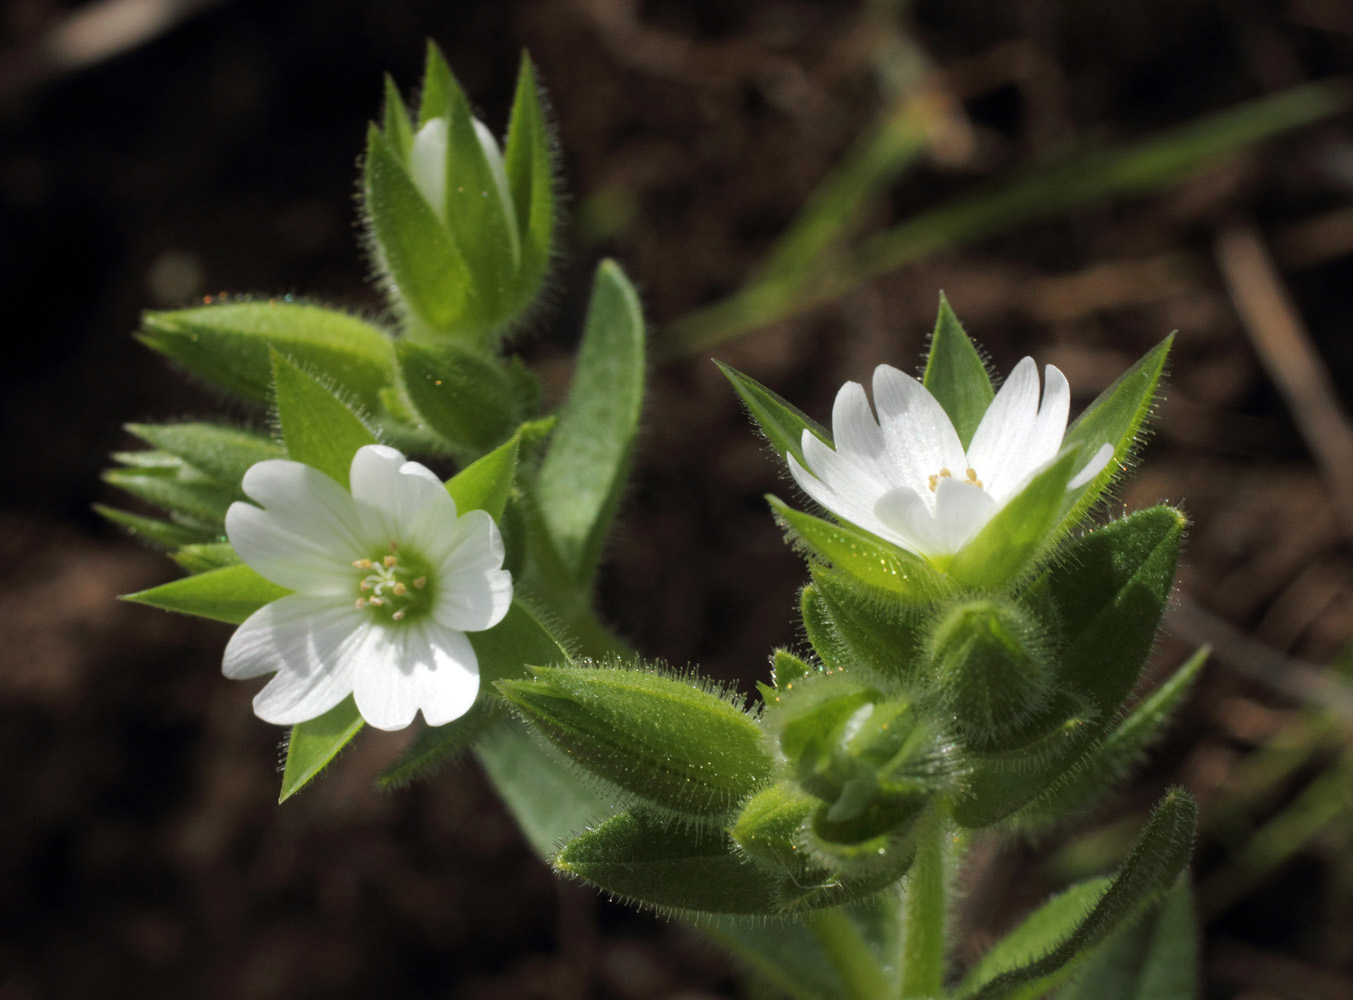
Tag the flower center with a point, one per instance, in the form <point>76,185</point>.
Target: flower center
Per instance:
<point>969,476</point>
<point>394,585</point>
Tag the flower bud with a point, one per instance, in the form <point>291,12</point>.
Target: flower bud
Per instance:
<point>993,670</point>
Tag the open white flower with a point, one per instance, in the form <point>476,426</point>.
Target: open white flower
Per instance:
<point>906,476</point>
<point>387,580</point>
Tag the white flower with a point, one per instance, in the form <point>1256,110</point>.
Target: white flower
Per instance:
<point>387,580</point>
<point>906,476</point>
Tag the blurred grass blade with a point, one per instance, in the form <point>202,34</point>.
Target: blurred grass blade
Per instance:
<point>1079,179</point>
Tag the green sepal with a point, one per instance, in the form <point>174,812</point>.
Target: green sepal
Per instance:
<point>1096,773</point>
<point>866,557</point>
<point>877,843</point>
<point>198,500</point>
<point>436,746</point>
<point>312,745</point>
<point>1155,960</point>
<point>440,87</point>
<point>164,534</point>
<point>956,375</point>
<point>780,421</point>
<point>1115,417</point>
<point>1107,593</point>
<point>428,278</point>
<point>994,670</point>
<point>201,558</point>
<point>480,214</point>
<point>1021,531</point>
<point>317,427</point>
<point>867,630</point>
<point>786,668</point>
<point>486,483</point>
<point>223,453</point>
<point>521,640</point>
<point>673,866</point>
<point>1144,877</point>
<point>229,344</point>
<point>460,392</point>
<point>395,120</point>
<point>670,741</point>
<point>230,594</point>
<point>769,827</point>
<point>528,160</point>
<point>584,468</point>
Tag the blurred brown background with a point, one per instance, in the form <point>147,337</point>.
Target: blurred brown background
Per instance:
<point>153,153</point>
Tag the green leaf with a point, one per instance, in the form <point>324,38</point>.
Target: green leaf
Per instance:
<point>204,502</point>
<point>201,558</point>
<point>956,375</point>
<point>223,453</point>
<point>1156,960</point>
<point>1115,417</point>
<point>548,799</point>
<point>317,427</point>
<point>1021,531</point>
<point>672,741</point>
<point>1108,590</point>
<point>436,746</point>
<point>486,483</point>
<point>583,472</point>
<point>529,162</point>
<point>1085,784</point>
<point>866,557</point>
<point>429,279</point>
<point>164,534</point>
<point>520,640</point>
<point>1149,871</point>
<point>228,344</point>
<point>781,422</point>
<point>315,743</point>
<point>462,393</point>
<point>673,866</point>
<point>230,594</point>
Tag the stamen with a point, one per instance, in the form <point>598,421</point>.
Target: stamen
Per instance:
<point>361,564</point>
<point>376,601</point>
<point>935,479</point>
<point>361,602</point>
<point>971,476</point>
<point>421,582</point>
<point>400,590</point>
<point>390,561</point>
<point>398,614</point>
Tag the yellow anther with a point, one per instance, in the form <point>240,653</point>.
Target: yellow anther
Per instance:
<point>361,602</point>
<point>398,614</point>
<point>365,584</point>
<point>361,564</point>
<point>971,476</point>
<point>421,582</point>
<point>935,480</point>
<point>390,562</point>
<point>376,601</point>
<point>400,590</point>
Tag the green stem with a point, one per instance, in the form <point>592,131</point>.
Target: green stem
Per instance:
<point>926,911</point>
<point>849,954</point>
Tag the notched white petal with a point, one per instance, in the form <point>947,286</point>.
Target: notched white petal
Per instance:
<point>436,671</point>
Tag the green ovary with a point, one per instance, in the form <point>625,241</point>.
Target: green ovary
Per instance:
<point>394,585</point>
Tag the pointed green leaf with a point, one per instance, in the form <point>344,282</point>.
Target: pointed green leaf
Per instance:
<point>201,558</point>
<point>549,800</point>
<point>529,162</point>
<point>314,744</point>
<point>583,472</point>
<point>396,122</point>
<point>204,502</point>
<point>460,392</point>
<point>866,557</point>
<point>230,594</point>
<point>1020,532</point>
<point>164,534</point>
<point>956,375</point>
<point>486,483</point>
<point>781,422</point>
<point>1108,591</point>
<point>673,866</point>
<point>228,344</point>
<point>317,427</point>
<point>1085,784</point>
<point>1147,874</point>
<point>1115,417</point>
<point>428,276</point>
<point>672,741</point>
<point>1156,960</point>
<point>223,453</point>
<point>440,87</point>
<point>436,746</point>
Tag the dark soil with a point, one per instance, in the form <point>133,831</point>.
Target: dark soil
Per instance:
<point>142,852</point>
